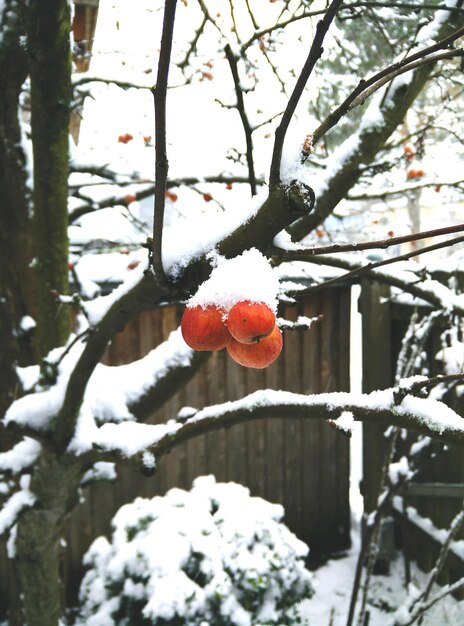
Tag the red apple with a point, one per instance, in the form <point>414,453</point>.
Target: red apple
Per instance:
<point>249,322</point>
<point>203,328</point>
<point>257,355</point>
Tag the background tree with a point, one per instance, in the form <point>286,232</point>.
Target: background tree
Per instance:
<point>55,433</point>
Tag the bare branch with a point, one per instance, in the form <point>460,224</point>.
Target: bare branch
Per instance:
<point>161,166</point>
<point>243,116</point>
<point>346,7</point>
<point>389,193</point>
<point>313,56</point>
<point>357,268</point>
<point>371,245</point>
<point>89,206</point>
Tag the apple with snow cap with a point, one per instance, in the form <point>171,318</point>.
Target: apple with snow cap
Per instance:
<point>248,322</point>
<point>257,355</point>
<point>237,303</point>
<point>203,328</point>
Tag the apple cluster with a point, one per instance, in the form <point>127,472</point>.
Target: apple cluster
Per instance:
<point>248,331</point>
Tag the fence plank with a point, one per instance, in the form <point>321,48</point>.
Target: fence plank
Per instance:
<point>377,373</point>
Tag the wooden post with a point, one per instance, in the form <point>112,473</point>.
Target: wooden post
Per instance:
<point>377,373</point>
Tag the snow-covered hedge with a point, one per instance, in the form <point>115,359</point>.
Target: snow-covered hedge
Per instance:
<point>211,556</point>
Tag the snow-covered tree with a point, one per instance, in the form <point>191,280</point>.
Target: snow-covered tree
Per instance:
<point>63,413</point>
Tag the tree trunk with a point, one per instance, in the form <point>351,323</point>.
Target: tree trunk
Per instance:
<point>14,214</point>
<point>48,46</point>
<point>55,485</point>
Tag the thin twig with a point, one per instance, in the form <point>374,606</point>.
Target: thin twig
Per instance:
<point>389,193</point>
<point>444,591</point>
<point>124,199</point>
<point>277,26</point>
<point>370,245</point>
<point>161,164</point>
<point>452,532</point>
<point>251,14</point>
<point>243,116</point>
<point>313,56</point>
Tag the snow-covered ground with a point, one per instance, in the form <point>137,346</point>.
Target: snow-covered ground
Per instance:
<point>333,584</point>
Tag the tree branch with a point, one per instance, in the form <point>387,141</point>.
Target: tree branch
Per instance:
<point>436,294</point>
<point>382,244</point>
<point>365,88</point>
<point>161,165</point>
<point>243,116</point>
<point>383,195</point>
<point>431,418</point>
<point>124,199</point>
<point>369,267</point>
<point>313,56</point>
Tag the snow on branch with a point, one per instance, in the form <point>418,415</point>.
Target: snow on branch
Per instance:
<point>424,415</point>
<point>417,604</point>
<point>365,88</point>
<point>141,386</point>
<point>313,56</point>
<point>13,507</point>
<point>137,390</point>
<point>20,457</point>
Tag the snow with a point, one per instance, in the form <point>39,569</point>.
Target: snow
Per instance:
<point>205,552</point>
<point>101,470</point>
<point>20,456</point>
<point>399,470</point>
<point>187,239</point>
<point>428,33</point>
<point>129,438</point>
<point>440,535</point>
<point>435,415</point>
<point>97,308</point>
<point>345,422</point>
<point>247,276</point>
<point>129,382</point>
<point>36,409</point>
<point>27,323</point>
<point>10,510</point>
<point>28,376</point>
<point>333,584</point>
<point>432,413</point>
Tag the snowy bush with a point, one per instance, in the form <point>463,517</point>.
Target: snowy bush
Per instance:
<point>212,556</point>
